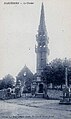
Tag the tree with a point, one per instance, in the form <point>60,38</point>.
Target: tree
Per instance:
<point>58,70</point>
<point>8,81</point>
<point>54,72</point>
<point>47,74</point>
<point>1,84</point>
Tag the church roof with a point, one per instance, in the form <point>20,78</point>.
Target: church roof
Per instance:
<point>25,71</point>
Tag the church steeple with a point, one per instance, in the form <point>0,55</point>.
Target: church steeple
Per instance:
<point>41,49</point>
<point>42,27</point>
<point>42,53</point>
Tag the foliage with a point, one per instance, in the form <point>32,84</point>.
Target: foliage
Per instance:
<point>54,72</point>
<point>7,82</point>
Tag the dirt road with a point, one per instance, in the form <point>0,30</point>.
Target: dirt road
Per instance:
<point>28,108</point>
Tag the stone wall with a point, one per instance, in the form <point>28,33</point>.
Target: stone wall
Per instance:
<point>54,94</point>
<point>10,93</point>
<point>3,94</point>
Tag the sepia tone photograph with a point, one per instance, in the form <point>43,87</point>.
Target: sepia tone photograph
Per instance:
<point>35,59</point>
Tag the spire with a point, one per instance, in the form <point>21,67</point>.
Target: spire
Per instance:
<point>42,27</point>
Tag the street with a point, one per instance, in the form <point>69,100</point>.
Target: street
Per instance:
<point>33,108</point>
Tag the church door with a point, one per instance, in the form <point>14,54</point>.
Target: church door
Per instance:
<point>40,88</point>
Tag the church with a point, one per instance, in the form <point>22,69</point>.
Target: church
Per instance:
<point>42,53</point>
<point>25,76</point>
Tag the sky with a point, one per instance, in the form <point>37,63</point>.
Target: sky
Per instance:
<point>18,29</point>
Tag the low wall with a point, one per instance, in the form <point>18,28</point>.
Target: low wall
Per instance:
<point>10,93</point>
<point>54,94</point>
<point>3,94</point>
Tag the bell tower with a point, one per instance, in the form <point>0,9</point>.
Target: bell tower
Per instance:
<point>41,50</point>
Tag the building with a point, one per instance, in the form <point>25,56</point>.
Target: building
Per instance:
<point>42,52</point>
<point>26,77</point>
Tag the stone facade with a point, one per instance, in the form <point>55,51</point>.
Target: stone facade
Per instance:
<point>26,77</point>
<point>41,49</point>
<point>42,53</point>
